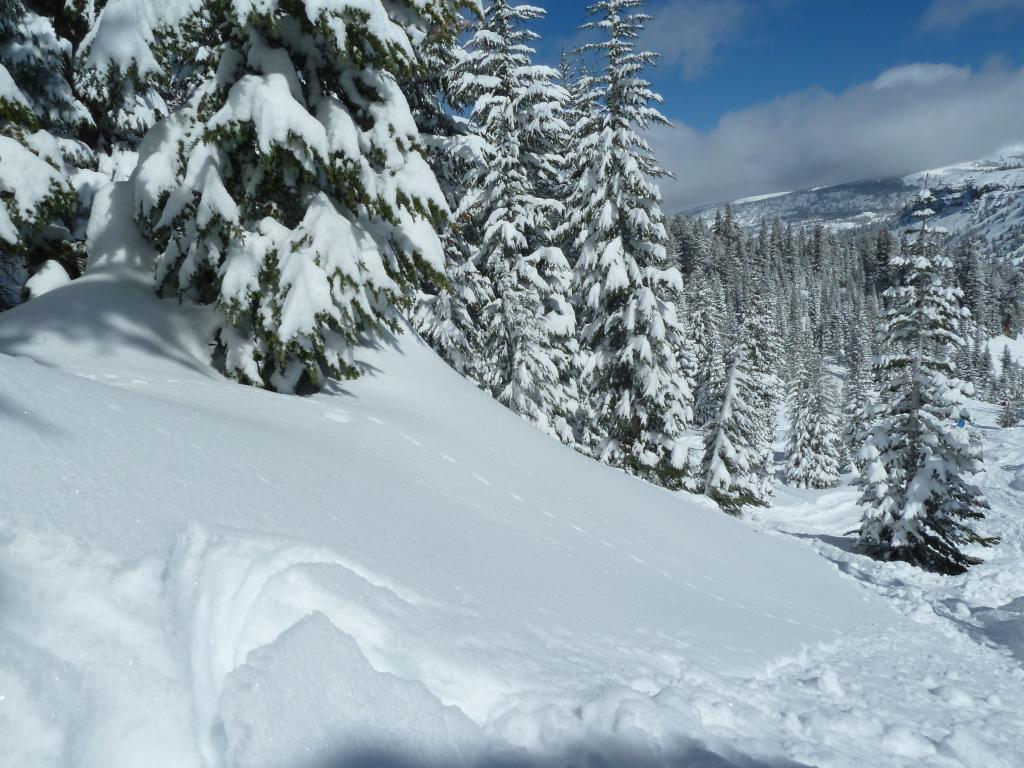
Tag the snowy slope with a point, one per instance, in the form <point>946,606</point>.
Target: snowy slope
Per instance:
<point>982,197</point>
<point>399,572</point>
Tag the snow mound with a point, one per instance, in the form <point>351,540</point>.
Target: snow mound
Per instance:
<point>50,275</point>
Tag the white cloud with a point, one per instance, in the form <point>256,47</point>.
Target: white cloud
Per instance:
<point>950,14</point>
<point>907,119</point>
<point>920,74</point>
<point>688,33</point>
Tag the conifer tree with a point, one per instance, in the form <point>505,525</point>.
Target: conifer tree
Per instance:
<point>42,215</point>
<point>708,308</point>
<point>858,389</point>
<point>730,441</point>
<point>447,313</point>
<point>984,368</point>
<point>1006,366</point>
<point>527,322</point>
<point>290,190</point>
<point>918,504</point>
<point>638,401</point>
<point>765,354</point>
<point>814,449</point>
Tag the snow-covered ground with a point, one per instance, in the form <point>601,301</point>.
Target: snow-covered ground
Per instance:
<point>399,572</point>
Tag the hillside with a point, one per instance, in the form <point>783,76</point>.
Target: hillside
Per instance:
<point>400,572</point>
<point>983,197</point>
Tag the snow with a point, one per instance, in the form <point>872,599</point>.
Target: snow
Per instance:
<point>50,275</point>
<point>9,90</point>
<point>398,571</point>
<point>26,177</point>
<point>768,196</point>
<point>278,118</point>
<point>125,29</point>
<point>998,343</point>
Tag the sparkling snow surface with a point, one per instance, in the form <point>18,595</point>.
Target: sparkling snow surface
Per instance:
<point>399,572</point>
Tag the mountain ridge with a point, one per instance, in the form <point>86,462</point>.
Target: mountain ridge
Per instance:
<point>982,198</point>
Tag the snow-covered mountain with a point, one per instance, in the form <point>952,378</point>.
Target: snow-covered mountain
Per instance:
<point>982,197</point>
<point>398,572</point>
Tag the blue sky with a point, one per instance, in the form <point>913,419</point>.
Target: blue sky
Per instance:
<point>856,82</point>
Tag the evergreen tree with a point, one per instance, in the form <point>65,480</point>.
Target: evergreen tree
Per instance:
<point>447,313</point>
<point>918,505</point>
<point>984,368</point>
<point>42,216</point>
<point>858,389</point>
<point>289,190</point>
<point>708,305</point>
<point>527,322</point>
<point>639,404</point>
<point>730,441</point>
<point>1006,366</point>
<point>814,450</point>
<point>765,354</point>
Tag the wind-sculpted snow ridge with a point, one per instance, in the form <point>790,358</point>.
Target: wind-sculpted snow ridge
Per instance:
<point>399,573</point>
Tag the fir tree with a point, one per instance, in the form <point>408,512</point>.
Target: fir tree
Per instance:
<point>730,441</point>
<point>858,389</point>
<point>527,323</point>
<point>290,191</point>
<point>1006,366</point>
<point>918,505</point>
<point>447,313</point>
<point>42,215</point>
<point>765,353</point>
<point>984,368</point>
<point>638,401</point>
<point>814,449</point>
<point>708,305</point>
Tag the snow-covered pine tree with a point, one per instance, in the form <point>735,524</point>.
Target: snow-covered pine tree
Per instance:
<point>42,215</point>
<point>686,351</point>
<point>525,326</point>
<point>859,387</point>
<point>918,504</point>
<point>638,401</point>
<point>761,337</point>
<point>1006,370</point>
<point>984,367</point>
<point>447,314</point>
<point>707,305</point>
<point>814,449</point>
<point>290,190</point>
<point>730,440</point>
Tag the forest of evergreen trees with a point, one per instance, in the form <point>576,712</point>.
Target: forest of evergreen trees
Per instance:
<point>316,172</point>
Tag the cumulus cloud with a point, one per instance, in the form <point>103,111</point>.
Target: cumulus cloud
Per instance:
<point>944,15</point>
<point>907,119</point>
<point>688,33</point>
